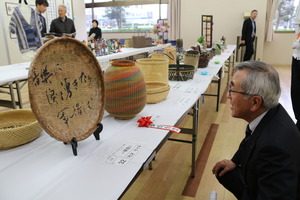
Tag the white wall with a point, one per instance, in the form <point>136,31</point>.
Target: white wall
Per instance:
<point>4,55</point>
<point>79,19</point>
<point>279,51</point>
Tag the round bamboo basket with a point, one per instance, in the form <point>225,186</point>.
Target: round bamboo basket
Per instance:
<point>157,91</point>
<point>66,89</point>
<point>159,54</point>
<point>18,127</point>
<point>154,69</point>
<point>170,52</point>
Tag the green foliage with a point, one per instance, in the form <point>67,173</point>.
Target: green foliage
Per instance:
<point>285,14</point>
<point>117,13</point>
<point>201,39</point>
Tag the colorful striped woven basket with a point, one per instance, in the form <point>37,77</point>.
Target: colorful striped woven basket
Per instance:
<point>125,89</point>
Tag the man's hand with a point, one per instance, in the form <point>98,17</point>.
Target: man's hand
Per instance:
<point>243,42</point>
<point>226,165</point>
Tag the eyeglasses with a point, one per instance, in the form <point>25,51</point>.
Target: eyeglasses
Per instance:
<point>233,91</point>
<point>243,93</point>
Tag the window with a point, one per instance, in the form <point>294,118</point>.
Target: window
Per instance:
<point>285,15</point>
<point>118,16</point>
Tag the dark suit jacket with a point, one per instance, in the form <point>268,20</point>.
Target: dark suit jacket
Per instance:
<point>247,30</point>
<point>270,159</point>
<point>59,27</point>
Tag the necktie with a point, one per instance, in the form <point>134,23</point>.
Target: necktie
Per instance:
<point>248,133</point>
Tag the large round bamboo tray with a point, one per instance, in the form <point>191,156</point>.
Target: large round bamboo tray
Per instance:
<point>18,127</point>
<point>66,89</point>
<point>157,91</point>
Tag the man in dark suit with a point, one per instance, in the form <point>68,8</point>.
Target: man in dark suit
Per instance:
<point>248,34</point>
<point>41,7</point>
<point>267,164</point>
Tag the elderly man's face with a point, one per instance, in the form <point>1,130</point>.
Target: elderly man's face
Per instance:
<point>61,11</point>
<point>239,105</point>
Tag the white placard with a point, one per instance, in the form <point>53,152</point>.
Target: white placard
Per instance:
<point>123,154</point>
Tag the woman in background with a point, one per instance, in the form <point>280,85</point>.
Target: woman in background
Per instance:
<point>95,32</point>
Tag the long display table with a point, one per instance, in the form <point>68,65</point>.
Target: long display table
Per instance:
<point>46,169</point>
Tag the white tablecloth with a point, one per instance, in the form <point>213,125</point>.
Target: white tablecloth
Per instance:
<point>46,169</point>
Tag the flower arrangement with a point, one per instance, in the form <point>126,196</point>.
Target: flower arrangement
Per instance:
<point>161,27</point>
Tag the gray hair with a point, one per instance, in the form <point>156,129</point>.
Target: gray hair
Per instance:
<point>262,80</point>
<point>62,5</point>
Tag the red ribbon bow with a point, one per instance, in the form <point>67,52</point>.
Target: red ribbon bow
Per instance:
<point>144,121</point>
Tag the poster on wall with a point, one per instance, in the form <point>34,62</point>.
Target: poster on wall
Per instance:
<point>68,4</point>
<point>51,12</point>
<point>10,7</point>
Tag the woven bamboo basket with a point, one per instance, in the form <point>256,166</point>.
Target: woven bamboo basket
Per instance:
<point>203,60</point>
<point>154,69</point>
<point>170,52</point>
<point>181,72</point>
<point>18,127</point>
<point>159,54</point>
<point>125,89</point>
<point>157,91</point>
<point>66,89</point>
<point>191,58</point>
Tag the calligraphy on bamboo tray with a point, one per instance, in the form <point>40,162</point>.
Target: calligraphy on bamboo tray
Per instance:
<point>66,89</point>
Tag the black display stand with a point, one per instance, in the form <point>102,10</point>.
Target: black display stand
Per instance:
<point>207,29</point>
<point>74,142</point>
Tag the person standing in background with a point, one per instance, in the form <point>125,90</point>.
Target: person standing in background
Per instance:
<point>41,7</point>
<point>248,34</point>
<point>63,26</point>
<point>295,80</point>
<point>95,32</point>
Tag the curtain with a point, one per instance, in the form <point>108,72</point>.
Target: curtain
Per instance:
<point>271,9</point>
<point>174,16</point>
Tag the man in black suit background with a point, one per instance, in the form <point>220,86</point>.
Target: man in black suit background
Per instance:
<point>248,34</point>
<point>267,164</point>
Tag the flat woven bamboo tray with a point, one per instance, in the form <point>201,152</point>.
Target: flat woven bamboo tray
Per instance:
<point>18,127</point>
<point>66,89</point>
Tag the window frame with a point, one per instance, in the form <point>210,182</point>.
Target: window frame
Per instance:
<point>114,3</point>
<point>284,31</point>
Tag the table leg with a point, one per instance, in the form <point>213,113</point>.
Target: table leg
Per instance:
<point>12,95</point>
<point>219,88</point>
<point>195,135</point>
<point>19,94</point>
